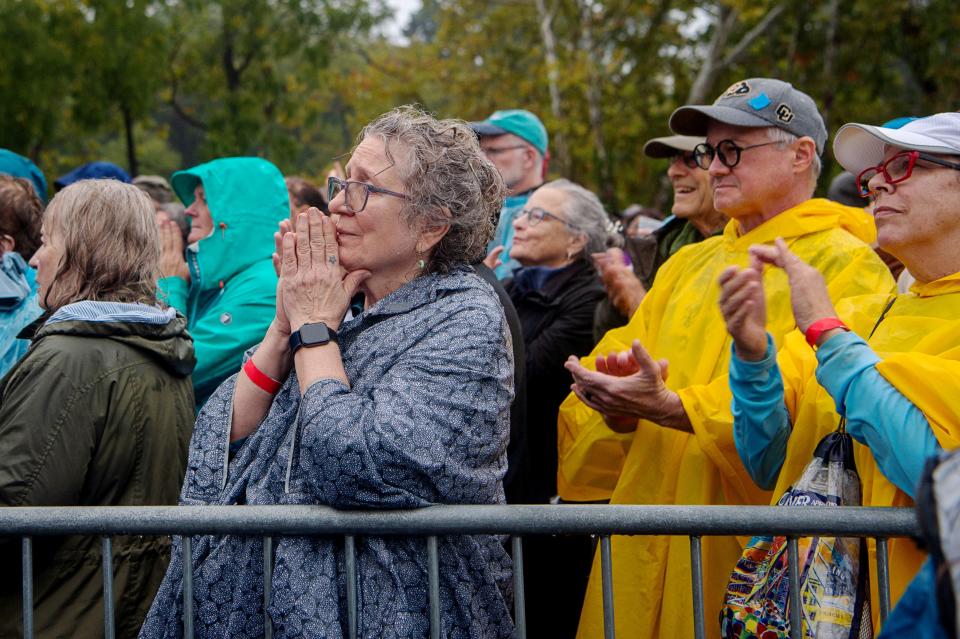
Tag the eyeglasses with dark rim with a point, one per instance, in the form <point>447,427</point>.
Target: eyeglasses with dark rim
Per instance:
<point>728,151</point>
<point>688,158</point>
<point>355,193</point>
<point>897,169</point>
<point>536,215</point>
<point>503,149</point>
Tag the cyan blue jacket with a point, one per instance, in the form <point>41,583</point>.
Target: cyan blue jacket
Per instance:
<point>503,235</point>
<point>231,298</point>
<point>18,307</point>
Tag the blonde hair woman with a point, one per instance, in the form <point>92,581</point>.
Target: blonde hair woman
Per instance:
<point>98,412</point>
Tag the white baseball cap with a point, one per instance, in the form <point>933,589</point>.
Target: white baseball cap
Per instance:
<point>861,146</point>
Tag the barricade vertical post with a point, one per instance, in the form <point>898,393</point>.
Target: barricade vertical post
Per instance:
<point>883,578</point>
<point>696,577</point>
<point>267,586</point>
<point>107,561</point>
<point>606,572</point>
<point>27,565</point>
<point>519,600</point>
<point>350,560</point>
<point>433,559</point>
<point>187,587</point>
<point>793,571</point>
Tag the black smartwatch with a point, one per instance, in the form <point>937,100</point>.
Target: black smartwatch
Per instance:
<point>316,334</point>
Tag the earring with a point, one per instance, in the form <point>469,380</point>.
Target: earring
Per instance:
<point>421,264</point>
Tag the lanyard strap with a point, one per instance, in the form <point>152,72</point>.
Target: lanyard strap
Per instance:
<point>883,316</point>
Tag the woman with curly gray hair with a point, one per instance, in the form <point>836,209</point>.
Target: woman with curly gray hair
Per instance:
<point>403,405</point>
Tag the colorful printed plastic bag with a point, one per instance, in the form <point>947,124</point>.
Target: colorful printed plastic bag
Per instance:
<point>834,577</point>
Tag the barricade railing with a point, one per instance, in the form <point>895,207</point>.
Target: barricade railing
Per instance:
<point>603,521</point>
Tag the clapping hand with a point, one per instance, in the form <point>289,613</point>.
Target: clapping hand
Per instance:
<point>744,308</point>
<point>808,290</point>
<point>626,387</point>
<point>172,261</point>
<point>624,288</point>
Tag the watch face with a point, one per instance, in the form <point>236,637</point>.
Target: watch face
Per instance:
<point>314,334</point>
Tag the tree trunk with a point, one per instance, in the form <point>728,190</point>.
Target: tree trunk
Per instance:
<point>715,62</point>
<point>829,60</point>
<point>562,154</point>
<point>132,164</point>
<point>606,188</point>
<point>726,19</point>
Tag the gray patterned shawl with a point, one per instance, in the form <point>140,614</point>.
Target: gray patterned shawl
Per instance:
<point>425,422</point>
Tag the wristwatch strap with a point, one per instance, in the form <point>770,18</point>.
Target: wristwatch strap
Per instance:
<point>297,340</point>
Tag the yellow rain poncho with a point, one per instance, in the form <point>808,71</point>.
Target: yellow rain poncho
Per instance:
<point>680,320</point>
<point>918,342</point>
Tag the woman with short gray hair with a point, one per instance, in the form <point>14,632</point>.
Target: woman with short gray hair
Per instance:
<point>403,405</point>
<point>555,293</point>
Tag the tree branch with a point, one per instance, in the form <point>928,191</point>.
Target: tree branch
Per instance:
<point>754,33</point>
<point>174,86</point>
<point>726,19</point>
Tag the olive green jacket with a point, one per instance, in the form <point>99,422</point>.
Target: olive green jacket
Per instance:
<point>97,413</point>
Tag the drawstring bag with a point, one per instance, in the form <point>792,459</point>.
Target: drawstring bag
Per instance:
<point>833,571</point>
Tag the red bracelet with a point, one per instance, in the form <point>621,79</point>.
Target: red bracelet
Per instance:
<point>818,328</point>
<point>259,378</point>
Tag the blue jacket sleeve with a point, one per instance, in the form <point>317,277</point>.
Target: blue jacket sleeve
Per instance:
<point>761,424</point>
<point>877,414</point>
<point>172,291</point>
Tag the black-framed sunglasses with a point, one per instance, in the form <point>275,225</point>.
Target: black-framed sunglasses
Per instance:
<point>727,151</point>
<point>688,158</point>
<point>897,169</point>
<point>355,193</point>
<point>536,215</point>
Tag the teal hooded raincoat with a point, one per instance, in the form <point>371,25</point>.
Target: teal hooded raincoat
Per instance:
<point>230,300</point>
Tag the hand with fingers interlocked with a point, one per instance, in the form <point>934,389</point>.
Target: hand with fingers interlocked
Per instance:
<point>314,287</point>
<point>627,387</point>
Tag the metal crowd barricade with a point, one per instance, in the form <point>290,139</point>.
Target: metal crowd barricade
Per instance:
<point>518,521</point>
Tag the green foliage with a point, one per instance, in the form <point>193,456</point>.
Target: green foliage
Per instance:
<point>295,81</point>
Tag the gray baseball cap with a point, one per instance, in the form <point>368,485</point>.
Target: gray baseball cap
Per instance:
<point>756,102</point>
<point>669,146</point>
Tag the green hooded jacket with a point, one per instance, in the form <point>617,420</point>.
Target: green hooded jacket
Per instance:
<point>97,413</point>
<point>230,301</point>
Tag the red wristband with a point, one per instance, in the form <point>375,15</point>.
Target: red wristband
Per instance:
<point>818,328</point>
<point>259,378</point>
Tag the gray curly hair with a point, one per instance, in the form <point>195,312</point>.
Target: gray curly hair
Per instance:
<point>448,181</point>
<point>584,210</point>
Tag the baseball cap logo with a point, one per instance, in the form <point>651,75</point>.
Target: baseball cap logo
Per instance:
<point>737,89</point>
<point>784,113</point>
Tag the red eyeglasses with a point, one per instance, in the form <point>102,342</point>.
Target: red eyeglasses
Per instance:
<point>897,169</point>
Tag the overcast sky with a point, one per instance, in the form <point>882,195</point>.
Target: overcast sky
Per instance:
<point>402,10</point>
